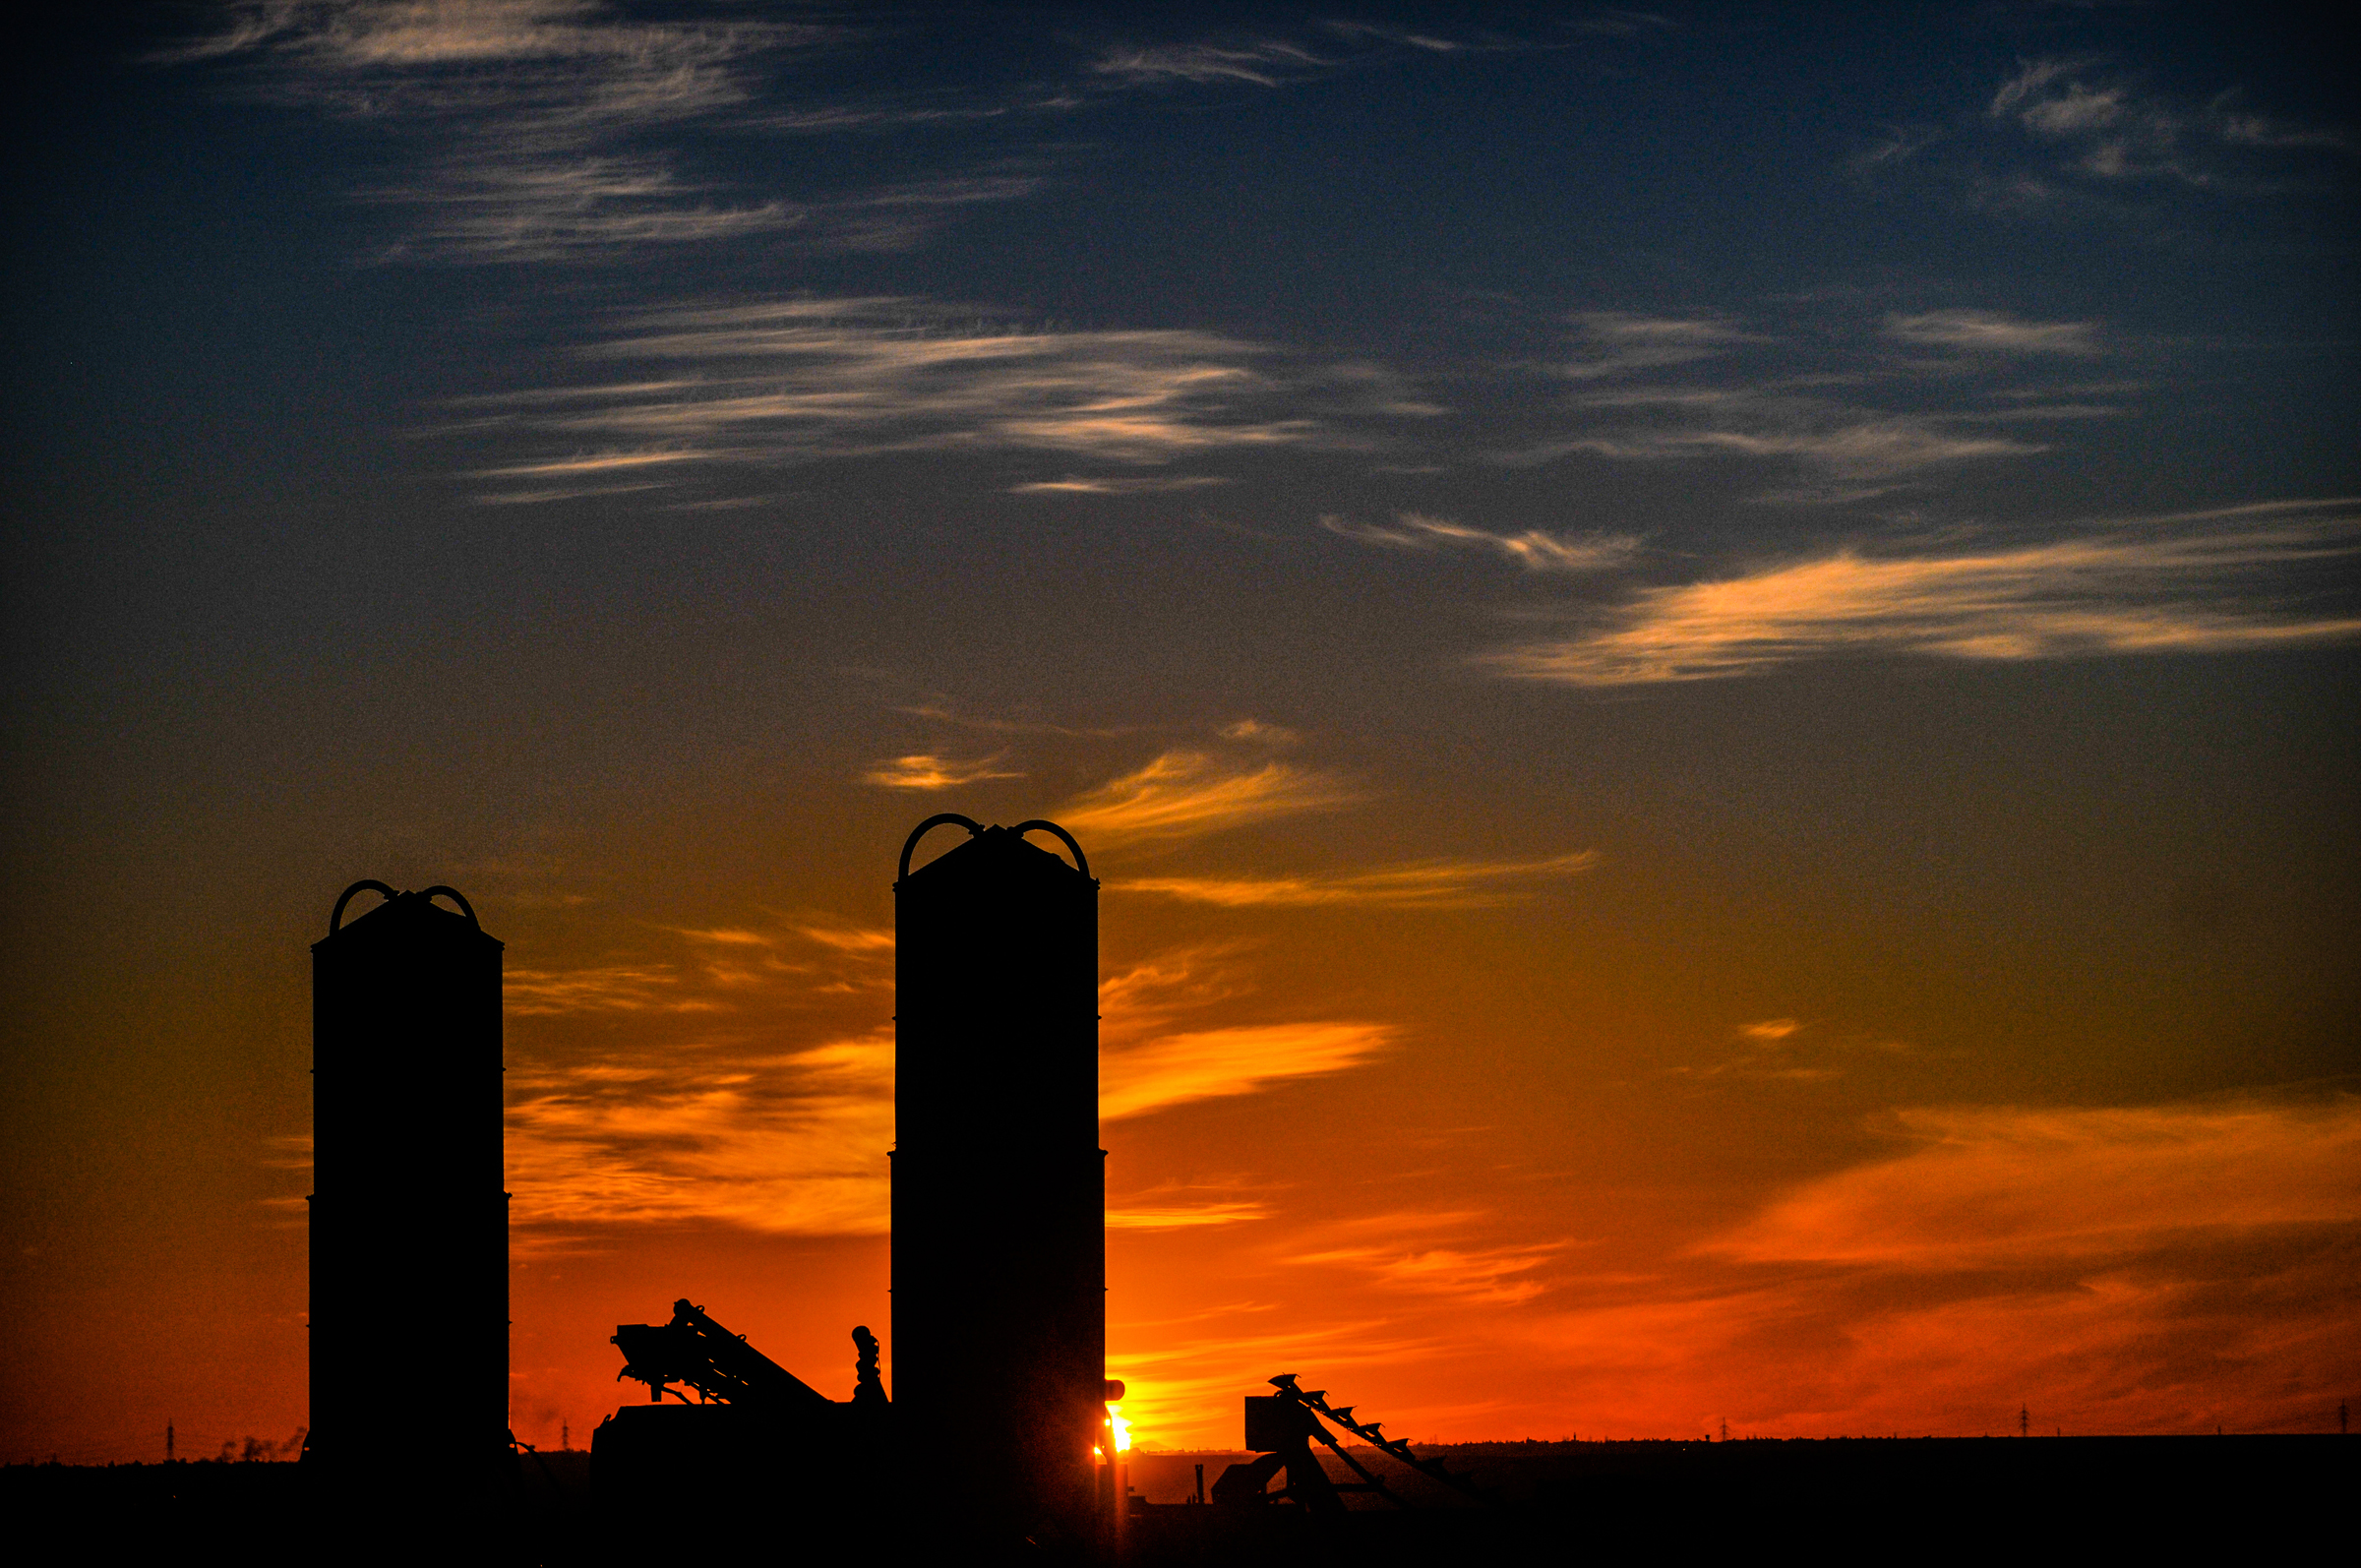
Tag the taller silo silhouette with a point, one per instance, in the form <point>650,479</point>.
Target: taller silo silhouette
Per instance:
<point>999,1194</point>
<point>409,1350</point>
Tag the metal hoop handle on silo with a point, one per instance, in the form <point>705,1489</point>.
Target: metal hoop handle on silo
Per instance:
<point>1081,862</point>
<point>457,897</point>
<point>335,918</point>
<point>910,844</point>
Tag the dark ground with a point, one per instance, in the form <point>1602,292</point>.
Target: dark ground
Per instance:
<point>1941,1499</point>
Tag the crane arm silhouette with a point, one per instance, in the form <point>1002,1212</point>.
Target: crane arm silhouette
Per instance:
<point>720,1366</point>
<point>1315,1402</point>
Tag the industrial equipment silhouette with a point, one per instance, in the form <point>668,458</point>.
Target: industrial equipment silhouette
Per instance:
<point>1282,1429</point>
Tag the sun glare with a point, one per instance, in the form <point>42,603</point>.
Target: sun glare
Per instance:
<point>1122,1429</point>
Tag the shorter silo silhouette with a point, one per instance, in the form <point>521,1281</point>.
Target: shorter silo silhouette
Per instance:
<point>409,1300</point>
<point>999,1242</point>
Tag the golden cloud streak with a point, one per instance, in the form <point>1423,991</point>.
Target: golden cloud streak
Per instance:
<point>1534,550</point>
<point>1149,994</point>
<point>1426,884</point>
<point>865,941</point>
<point>1994,1184</point>
<point>622,988</point>
<point>2161,1268</point>
<point>1183,794</point>
<point>927,771</point>
<point>1487,1274</point>
<point>1218,1062</point>
<point>2103,594</point>
<point>794,1143</point>
<point>1182,1216</point>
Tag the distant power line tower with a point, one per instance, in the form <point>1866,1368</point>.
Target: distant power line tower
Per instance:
<point>2025,1421</point>
<point>168,1434</point>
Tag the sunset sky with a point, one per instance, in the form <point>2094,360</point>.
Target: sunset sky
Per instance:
<point>1709,656</point>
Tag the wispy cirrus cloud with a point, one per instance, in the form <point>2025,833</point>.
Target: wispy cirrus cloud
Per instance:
<point>1617,342</point>
<point>1214,1063</point>
<point>1775,1049</point>
<point>2113,133</point>
<point>1849,408</point>
<point>609,988</point>
<point>1992,332</point>
<point>924,770</point>
<point>651,65</point>
<point>2253,584</point>
<point>589,208</point>
<point>727,1123</point>
<point>1847,451</point>
<point>1185,794</point>
<point>527,117</point>
<point>1275,62</point>
<point>1148,996</point>
<point>711,1092</point>
<point>1117,485</point>
<point>1259,731</point>
<point>865,939</point>
<point>841,935</point>
<point>1423,884</point>
<point>1495,1275</point>
<point>594,464</point>
<point>576,207</point>
<point>574,131</point>
<point>1430,41</point>
<point>1137,1215</point>
<point>790,1142</point>
<point>1533,549</point>
<point>2122,1269</point>
<point>1146,1065</point>
<point>797,961</point>
<point>2110,129</point>
<point>1999,1186</point>
<point>761,384</point>
<point>2067,135</point>
<point>1262,62</point>
<point>942,709</point>
<point>725,935</point>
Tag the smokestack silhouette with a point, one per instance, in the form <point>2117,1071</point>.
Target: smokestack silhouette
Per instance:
<point>1000,1193</point>
<point>409,1226</point>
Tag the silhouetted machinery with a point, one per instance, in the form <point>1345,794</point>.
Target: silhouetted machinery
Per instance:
<point>755,1427</point>
<point>1280,1428</point>
<point>725,1370</point>
<point>407,1210</point>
